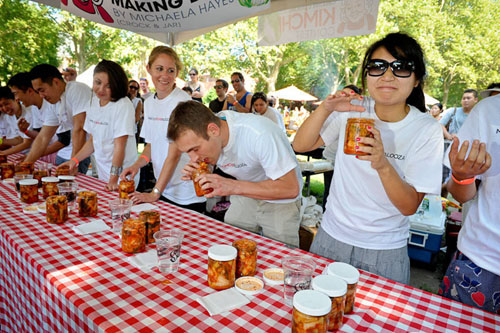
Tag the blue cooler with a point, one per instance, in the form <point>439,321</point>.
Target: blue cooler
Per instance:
<point>425,237</point>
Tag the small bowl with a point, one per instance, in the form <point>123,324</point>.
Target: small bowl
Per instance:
<point>274,276</point>
<point>30,209</point>
<point>249,285</point>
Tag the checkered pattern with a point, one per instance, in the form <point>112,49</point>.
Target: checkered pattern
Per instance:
<point>52,279</point>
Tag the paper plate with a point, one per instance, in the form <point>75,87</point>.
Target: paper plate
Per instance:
<point>249,285</point>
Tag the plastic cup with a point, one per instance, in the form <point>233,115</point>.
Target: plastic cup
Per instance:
<point>70,191</point>
<point>298,275</point>
<point>120,211</point>
<point>168,247</point>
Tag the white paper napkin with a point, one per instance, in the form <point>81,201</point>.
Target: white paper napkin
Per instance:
<point>145,261</point>
<point>91,227</point>
<point>222,301</point>
<point>142,207</point>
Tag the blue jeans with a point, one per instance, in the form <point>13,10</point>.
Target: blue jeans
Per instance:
<point>83,166</point>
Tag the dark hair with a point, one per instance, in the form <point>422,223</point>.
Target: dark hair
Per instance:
<point>402,47</point>
<point>471,91</point>
<point>354,88</point>
<point>224,83</point>
<point>46,73</point>
<point>493,86</point>
<point>138,88</point>
<point>193,70</point>
<point>239,75</point>
<point>6,93</point>
<point>188,90</point>
<point>117,79</point>
<point>190,115</point>
<point>439,105</point>
<point>21,81</point>
<point>256,96</point>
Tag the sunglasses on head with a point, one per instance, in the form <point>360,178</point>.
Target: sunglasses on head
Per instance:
<point>220,86</point>
<point>235,81</point>
<point>400,68</point>
<point>133,87</point>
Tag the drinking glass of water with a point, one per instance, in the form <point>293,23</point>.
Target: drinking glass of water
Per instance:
<point>168,246</point>
<point>298,275</point>
<point>120,211</point>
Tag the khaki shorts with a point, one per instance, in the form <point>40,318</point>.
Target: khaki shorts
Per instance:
<point>279,221</point>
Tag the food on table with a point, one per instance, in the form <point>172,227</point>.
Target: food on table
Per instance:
<point>203,169</point>
<point>246,261</point>
<point>350,275</point>
<point>336,289</point>
<point>350,297</point>
<point>30,209</point>
<point>125,188</point>
<point>39,174</point>
<point>57,209</point>
<point>24,168</point>
<point>221,266</point>
<point>28,189</point>
<point>274,276</point>
<point>19,177</point>
<point>62,170</point>
<point>152,221</point>
<point>87,203</point>
<point>3,158</point>
<point>49,186</point>
<point>249,285</point>
<point>7,170</point>
<point>133,236</point>
<point>310,311</point>
<point>356,128</point>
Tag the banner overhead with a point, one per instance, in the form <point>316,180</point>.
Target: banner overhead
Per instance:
<point>320,21</point>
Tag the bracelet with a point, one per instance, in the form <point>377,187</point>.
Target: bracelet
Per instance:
<point>75,160</point>
<point>115,171</point>
<point>145,157</point>
<point>26,132</point>
<point>463,182</point>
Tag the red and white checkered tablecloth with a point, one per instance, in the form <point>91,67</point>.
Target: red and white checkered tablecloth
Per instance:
<point>54,280</point>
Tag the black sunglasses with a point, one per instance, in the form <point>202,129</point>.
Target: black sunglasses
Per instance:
<point>192,74</point>
<point>133,87</point>
<point>237,80</point>
<point>219,86</point>
<point>400,68</point>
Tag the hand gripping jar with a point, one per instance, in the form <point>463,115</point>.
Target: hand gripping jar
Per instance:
<point>57,209</point>
<point>310,311</point>
<point>28,189</point>
<point>152,221</point>
<point>125,188</point>
<point>221,266</point>
<point>49,186</point>
<point>203,169</point>
<point>246,261</point>
<point>350,275</point>
<point>336,289</point>
<point>87,203</point>
<point>356,128</point>
<point>133,236</point>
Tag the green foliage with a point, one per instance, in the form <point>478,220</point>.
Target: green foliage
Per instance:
<point>209,96</point>
<point>27,37</point>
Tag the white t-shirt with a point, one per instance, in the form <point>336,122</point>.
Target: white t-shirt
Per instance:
<point>36,116</point>
<point>8,126</point>
<point>479,238</point>
<point>276,117</point>
<point>106,123</point>
<point>257,150</point>
<point>358,210</point>
<point>154,131</point>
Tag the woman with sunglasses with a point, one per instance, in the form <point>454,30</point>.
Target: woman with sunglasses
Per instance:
<point>135,97</point>
<point>110,125</point>
<point>260,105</point>
<point>195,85</point>
<point>366,220</point>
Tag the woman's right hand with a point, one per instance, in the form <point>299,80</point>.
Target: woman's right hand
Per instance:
<point>130,171</point>
<point>72,166</point>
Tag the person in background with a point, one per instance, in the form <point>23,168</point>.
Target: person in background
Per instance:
<point>473,276</point>
<point>164,66</point>
<point>240,99</point>
<point>265,196</point>
<point>135,97</point>
<point>492,90</point>
<point>110,125</point>
<point>259,105</point>
<point>198,89</point>
<point>366,220</point>
<point>146,93</point>
<point>436,111</point>
<point>9,132</point>
<point>69,74</point>
<point>217,104</point>
<point>188,91</point>
<point>453,118</point>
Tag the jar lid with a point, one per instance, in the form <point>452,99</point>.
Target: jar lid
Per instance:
<point>312,302</point>
<point>28,182</point>
<point>330,285</point>
<point>50,179</point>
<point>344,271</point>
<point>222,252</point>
<point>66,178</point>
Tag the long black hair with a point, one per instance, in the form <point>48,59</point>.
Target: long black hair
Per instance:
<point>118,81</point>
<point>402,47</point>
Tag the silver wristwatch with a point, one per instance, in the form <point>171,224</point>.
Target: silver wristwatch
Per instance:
<point>156,191</point>
<point>116,171</point>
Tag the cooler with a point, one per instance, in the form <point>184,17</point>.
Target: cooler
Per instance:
<point>426,233</point>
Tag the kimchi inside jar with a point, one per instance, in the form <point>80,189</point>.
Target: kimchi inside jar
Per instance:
<point>57,209</point>
<point>152,221</point>
<point>356,128</point>
<point>7,170</point>
<point>133,236</point>
<point>221,266</point>
<point>350,275</point>
<point>203,169</point>
<point>310,311</point>
<point>62,170</point>
<point>49,186</point>
<point>87,204</point>
<point>39,174</point>
<point>3,158</point>
<point>24,168</point>
<point>125,188</point>
<point>246,260</point>
<point>28,189</point>
<point>336,289</point>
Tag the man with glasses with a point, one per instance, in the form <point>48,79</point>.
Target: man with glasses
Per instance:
<point>143,82</point>
<point>217,104</point>
<point>240,99</point>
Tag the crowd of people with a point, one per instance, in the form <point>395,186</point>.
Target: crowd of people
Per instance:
<point>45,114</point>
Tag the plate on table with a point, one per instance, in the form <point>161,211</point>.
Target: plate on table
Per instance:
<point>30,209</point>
<point>42,208</point>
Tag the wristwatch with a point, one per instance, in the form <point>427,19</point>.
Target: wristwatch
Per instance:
<point>156,191</point>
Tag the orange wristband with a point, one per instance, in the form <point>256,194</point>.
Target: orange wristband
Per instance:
<point>76,161</point>
<point>463,182</point>
<point>145,157</point>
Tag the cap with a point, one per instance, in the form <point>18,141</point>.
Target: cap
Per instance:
<point>50,179</point>
<point>344,271</point>
<point>312,302</point>
<point>274,276</point>
<point>330,285</point>
<point>28,182</point>
<point>222,252</point>
<point>487,92</point>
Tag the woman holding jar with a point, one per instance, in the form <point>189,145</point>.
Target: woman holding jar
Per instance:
<point>195,85</point>
<point>366,220</point>
<point>110,125</point>
<point>164,66</point>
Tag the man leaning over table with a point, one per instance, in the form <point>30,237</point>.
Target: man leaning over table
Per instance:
<point>72,100</point>
<point>266,193</point>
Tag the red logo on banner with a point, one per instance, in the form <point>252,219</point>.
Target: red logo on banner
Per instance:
<point>90,6</point>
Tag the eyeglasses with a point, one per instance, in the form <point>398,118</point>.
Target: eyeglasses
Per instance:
<point>220,86</point>
<point>192,74</point>
<point>235,81</point>
<point>400,68</point>
<point>133,87</point>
